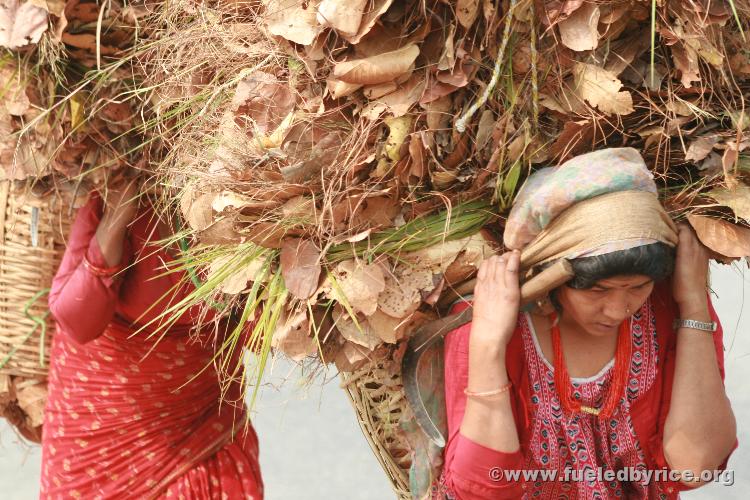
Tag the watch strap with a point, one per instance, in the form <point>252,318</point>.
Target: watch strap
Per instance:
<point>696,325</point>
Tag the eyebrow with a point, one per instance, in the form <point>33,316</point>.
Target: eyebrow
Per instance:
<point>609,287</point>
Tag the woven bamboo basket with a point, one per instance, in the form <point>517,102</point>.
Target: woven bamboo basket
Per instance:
<point>33,230</point>
<point>376,393</point>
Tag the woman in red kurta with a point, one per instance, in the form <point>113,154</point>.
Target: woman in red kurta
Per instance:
<point>594,389</point>
<point>471,470</point>
<point>127,416</point>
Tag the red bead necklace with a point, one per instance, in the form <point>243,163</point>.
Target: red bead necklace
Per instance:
<point>618,382</point>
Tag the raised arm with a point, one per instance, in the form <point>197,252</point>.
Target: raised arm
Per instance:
<point>700,429</point>
<point>482,435</point>
<point>85,289</point>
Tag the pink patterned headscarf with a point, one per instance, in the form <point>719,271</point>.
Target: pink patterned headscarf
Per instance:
<point>550,191</point>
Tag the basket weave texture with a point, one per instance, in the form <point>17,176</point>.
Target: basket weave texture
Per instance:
<point>33,230</point>
<point>376,393</point>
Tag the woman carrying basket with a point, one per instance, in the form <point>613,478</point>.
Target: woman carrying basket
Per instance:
<point>616,370</point>
<point>129,416</point>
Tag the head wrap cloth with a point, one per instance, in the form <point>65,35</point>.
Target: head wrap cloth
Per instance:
<point>593,204</point>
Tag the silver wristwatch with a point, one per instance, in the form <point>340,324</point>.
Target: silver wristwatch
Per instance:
<point>696,325</point>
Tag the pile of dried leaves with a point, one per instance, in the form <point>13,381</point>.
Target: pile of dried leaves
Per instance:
<point>62,116</point>
<point>301,126</point>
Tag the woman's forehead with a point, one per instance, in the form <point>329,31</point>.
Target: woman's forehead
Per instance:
<point>624,281</point>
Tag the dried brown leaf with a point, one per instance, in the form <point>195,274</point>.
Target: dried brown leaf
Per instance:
<point>397,103</point>
<point>404,289</point>
<point>416,168</point>
<point>344,16</point>
<point>601,89</point>
<point>296,21</point>
<point>438,113</point>
<point>292,336</point>
<point>339,89</point>
<point>722,237</point>
<point>700,147</point>
<point>738,199</point>
<point>473,249</point>
<point>220,232</point>
<point>387,328</point>
<point>484,129</point>
<point>237,281</point>
<point>573,139</point>
<point>371,16</point>
<point>262,99</point>
<point>686,61</point>
<point>21,23</point>
<point>579,31</point>
<point>351,356</point>
<point>381,68</point>
<point>360,285</point>
<point>13,91</point>
<point>360,332</point>
<point>300,267</point>
<point>624,53</point>
<point>379,90</point>
<point>31,395</point>
<point>466,12</point>
<point>54,7</point>
<point>448,55</point>
<point>375,212</point>
<point>196,208</point>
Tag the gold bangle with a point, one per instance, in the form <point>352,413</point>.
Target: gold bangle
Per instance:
<point>485,394</point>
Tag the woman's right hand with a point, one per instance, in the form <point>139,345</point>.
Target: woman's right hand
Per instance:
<point>121,199</point>
<point>497,300</point>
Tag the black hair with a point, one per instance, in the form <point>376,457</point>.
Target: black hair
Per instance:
<point>655,260</point>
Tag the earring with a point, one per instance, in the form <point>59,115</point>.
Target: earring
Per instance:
<point>544,305</point>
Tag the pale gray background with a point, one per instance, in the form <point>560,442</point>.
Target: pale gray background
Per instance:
<point>312,448</point>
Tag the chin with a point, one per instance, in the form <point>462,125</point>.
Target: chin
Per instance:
<point>599,330</point>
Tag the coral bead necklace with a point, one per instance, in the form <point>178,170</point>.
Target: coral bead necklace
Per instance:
<point>617,384</point>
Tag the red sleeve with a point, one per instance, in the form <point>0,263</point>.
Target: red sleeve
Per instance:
<point>658,451</point>
<point>471,470</point>
<point>82,303</point>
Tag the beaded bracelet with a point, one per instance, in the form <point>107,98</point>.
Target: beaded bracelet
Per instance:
<point>103,272</point>
<point>485,394</point>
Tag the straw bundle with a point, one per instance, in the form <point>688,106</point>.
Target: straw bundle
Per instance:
<point>291,130</point>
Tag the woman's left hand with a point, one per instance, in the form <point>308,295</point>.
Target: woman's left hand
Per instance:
<point>690,277</point>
